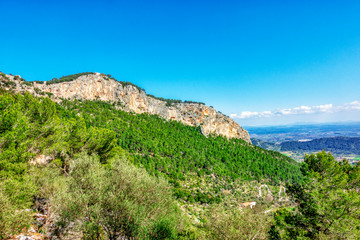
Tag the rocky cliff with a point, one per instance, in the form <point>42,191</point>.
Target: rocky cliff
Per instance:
<point>96,86</point>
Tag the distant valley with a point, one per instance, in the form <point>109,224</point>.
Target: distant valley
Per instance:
<point>295,141</point>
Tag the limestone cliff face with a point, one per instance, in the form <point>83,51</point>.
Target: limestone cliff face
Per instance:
<point>97,86</point>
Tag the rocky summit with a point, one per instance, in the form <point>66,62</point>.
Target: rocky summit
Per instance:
<point>96,86</point>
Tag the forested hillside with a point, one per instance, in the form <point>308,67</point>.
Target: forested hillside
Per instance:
<point>77,136</point>
<point>91,171</point>
<point>76,172</point>
<point>175,149</point>
<point>265,145</point>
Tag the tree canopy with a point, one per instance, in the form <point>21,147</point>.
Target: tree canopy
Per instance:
<point>327,202</point>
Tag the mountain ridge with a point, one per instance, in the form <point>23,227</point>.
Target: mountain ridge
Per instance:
<point>131,98</point>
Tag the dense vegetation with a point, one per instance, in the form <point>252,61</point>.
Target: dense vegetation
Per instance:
<point>112,200</point>
<point>327,202</point>
<point>175,149</point>
<point>67,78</point>
<point>5,81</point>
<point>32,128</point>
<point>339,145</point>
<point>169,102</point>
<point>94,189</point>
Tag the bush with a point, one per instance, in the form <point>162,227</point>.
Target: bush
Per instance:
<point>116,200</point>
<point>15,201</point>
<point>234,223</point>
<point>327,202</point>
<point>9,84</point>
<point>3,75</point>
<point>67,78</point>
<point>26,83</point>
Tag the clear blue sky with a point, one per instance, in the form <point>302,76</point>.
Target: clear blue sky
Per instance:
<point>251,59</point>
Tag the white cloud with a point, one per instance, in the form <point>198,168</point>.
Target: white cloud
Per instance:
<point>355,105</point>
<point>326,108</point>
<point>247,114</point>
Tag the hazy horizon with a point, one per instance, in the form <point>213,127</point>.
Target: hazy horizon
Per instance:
<point>344,123</point>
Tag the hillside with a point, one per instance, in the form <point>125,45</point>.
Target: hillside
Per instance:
<point>165,146</point>
<point>173,148</point>
<point>76,158</point>
<point>265,144</point>
<point>131,98</point>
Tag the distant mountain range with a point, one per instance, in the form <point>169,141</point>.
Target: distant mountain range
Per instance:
<point>279,134</point>
<point>339,146</point>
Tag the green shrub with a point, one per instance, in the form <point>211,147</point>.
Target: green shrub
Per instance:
<point>327,202</point>
<point>234,223</point>
<point>26,83</point>
<point>9,84</point>
<point>3,75</point>
<point>67,78</point>
<point>116,200</point>
<point>15,200</point>
<point>49,94</point>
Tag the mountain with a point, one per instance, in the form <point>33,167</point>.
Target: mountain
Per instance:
<point>265,145</point>
<point>340,147</point>
<point>96,86</point>
<point>97,158</point>
<point>163,146</point>
<point>337,145</point>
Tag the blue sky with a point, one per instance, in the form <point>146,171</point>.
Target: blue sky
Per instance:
<point>262,62</point>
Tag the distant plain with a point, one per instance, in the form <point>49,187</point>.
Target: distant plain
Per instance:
<point>274,137</point>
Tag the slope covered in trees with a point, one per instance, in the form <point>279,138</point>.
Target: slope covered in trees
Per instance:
<point>91,185</point>
<point>88,170</point>
<point>175,149</point>
<point>327,203</point>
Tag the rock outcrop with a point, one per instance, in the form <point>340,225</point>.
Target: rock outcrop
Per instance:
<point>100,87</point>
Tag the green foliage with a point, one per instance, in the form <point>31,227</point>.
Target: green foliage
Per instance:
<point>27,83</point>
<point>30,127</point>
<point>38,91</point>
<point>171,148</point>
<point>115,200</point>
<point>169,102</point>
<point>109,196</point>
<point>15,200</point>
<point>327,203</point>
<point>124,84</point>
<point>67,78</point>
<point>37,124</point>
<point>234,223</point>
<point>3,76</point>
<point>49,94</point>
<point>5,81</point>
<point>9,84</point>
<point>106,193</point>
